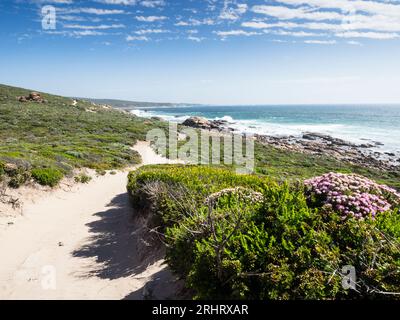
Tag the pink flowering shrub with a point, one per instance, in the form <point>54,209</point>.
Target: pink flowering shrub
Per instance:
<point>351,194</point>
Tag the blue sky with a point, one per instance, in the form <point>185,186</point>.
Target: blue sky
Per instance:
<point>206,51</point>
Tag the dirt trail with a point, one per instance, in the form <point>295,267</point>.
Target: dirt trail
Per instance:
<point>82,244</point>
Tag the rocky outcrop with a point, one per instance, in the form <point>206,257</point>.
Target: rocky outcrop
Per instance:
<point>203,123</point>
<point>364,154</point>
<point>324,145</point>
<point>32,97</point>
<point>318,136</point>
<point>197,122</point>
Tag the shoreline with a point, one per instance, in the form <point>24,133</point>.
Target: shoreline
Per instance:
<point>368,154</point>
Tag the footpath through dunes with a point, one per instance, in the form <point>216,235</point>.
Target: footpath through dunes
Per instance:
<point>83,244</point>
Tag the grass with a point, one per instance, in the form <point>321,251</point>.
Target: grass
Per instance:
<point>61,136</point>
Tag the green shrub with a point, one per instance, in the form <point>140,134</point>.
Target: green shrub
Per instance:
<point>284,250</point>
<point>47,176</point>
<point>2,168</point>
<point>275,248</point>
<point>17,176</point>
<point>175,190</point>
<point>82,178</point>
<point>101,172</point>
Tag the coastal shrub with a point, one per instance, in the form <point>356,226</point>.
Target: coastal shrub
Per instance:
<point>351,194</point>
<point>173,191</point>
<point>101,172</point>
<point>244,237</point>
<point>17,175</point>
<point>82,178</point>
<point>47,176</point>
<point>285,250</point>
<point>2,168</point>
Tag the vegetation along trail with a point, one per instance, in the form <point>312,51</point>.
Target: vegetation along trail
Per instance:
<point>82,244</point>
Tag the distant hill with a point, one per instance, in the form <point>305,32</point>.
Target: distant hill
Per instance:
<point>124,104</point>
<point>46,137</point>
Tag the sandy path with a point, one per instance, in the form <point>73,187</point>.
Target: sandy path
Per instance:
<point>80,244</point>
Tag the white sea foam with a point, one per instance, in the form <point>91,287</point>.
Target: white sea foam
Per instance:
<point>353,133</point>
<point>228,119</point>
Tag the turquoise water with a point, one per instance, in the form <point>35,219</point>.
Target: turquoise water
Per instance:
<point>356,123</point>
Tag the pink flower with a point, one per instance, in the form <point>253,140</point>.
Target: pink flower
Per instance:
<point>353,194</point>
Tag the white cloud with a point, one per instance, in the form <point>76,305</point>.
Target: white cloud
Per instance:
<point>195,22</point>
<point>152,3</point>
<point>286,13</point>
<point>54,1</point>
<point>236,33</point>
<point>76,34</point>
<point>370,35</point>
<point>298,33</point>
<point>99,27</point>
<point>137,38</point>
<point>71,18</point>
<point>232,11</point>
<point>88,33</point>
<point>123,2</point>
<point>149,31</point>
<point>351,6</point>
<point>196,39</point>
<point>354,43</point>
<point>150,18</point>
<point>324,42</point>
<point>342,18</point>
<point>264,25</point>
<point>95,11</point>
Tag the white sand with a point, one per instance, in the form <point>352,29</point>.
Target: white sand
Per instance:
<point>82,243</point>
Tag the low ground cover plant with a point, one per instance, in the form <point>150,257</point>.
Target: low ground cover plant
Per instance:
<point>351,194</point>
<point>47,176</point>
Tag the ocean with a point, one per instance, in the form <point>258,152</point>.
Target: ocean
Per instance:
<point>354,123</point>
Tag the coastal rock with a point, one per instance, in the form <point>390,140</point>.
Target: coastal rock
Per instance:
<point>320,144</point>
<point>203,123</point>
<point>366,145</point>
<point>32,97</point>
<point>332,140</point>
<point>197,122</point>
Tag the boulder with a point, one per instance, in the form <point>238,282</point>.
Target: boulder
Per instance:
<point>197,122</point>
<point>32,97</point>
<point>203,123</point>
<point>319,136</point>
<point>390,154</point>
